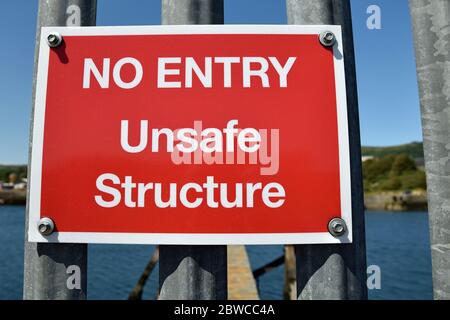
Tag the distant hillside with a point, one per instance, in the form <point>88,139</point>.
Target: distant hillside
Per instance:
<point>413,149</point>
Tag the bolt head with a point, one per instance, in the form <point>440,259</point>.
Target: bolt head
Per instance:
<point>54,39</point>
<point>337,227</point>
<point>46,226</point>
<point>327,38</point>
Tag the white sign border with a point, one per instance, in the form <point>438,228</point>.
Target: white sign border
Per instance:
<point>188,238</point>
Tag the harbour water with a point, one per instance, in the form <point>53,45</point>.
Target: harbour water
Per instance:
<point>396,242</point>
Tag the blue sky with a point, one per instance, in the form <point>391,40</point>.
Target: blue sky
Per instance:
<point>387,87</point>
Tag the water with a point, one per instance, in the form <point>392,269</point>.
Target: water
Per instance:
<point>397,242</point>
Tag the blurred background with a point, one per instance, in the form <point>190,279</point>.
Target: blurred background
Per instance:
<point>392,153</point>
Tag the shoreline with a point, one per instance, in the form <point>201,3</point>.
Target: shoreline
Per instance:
<point>395,201</point>
<point>15,197</point>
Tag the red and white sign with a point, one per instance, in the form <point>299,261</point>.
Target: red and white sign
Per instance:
<point>190,135</point>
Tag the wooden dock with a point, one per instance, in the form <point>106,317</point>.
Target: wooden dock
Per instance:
<point>241,284</point>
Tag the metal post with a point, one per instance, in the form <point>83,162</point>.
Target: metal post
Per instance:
<point>290,290</point>
<point>431,19</point>
<point>335,271</point>
<point>193,272</point>
<point>192,12</point>
<point>56,271</point>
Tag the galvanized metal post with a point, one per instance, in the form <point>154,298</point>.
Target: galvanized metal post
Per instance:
<point>431,20</point>
<point>335,271</point>
<point>193,272</point>
<point>192,12</point>
<point>56,271</point>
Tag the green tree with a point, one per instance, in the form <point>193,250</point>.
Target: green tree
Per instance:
<point>392,173</point>
<point>415,180</point>
<point>402,163</point>
<point>391,184</point>
<point>373,169</point>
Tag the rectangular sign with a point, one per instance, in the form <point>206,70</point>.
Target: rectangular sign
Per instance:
<point>190,135</point>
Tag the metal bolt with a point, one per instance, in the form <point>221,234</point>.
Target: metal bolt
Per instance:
<point>337,227</point>
<point>327,38</point>
<point>54,39</point>
<point>46,226</point>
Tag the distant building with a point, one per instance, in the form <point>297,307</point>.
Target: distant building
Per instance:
<point>20,186</point>
<point>365,158</point>
<point>8,186</point>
